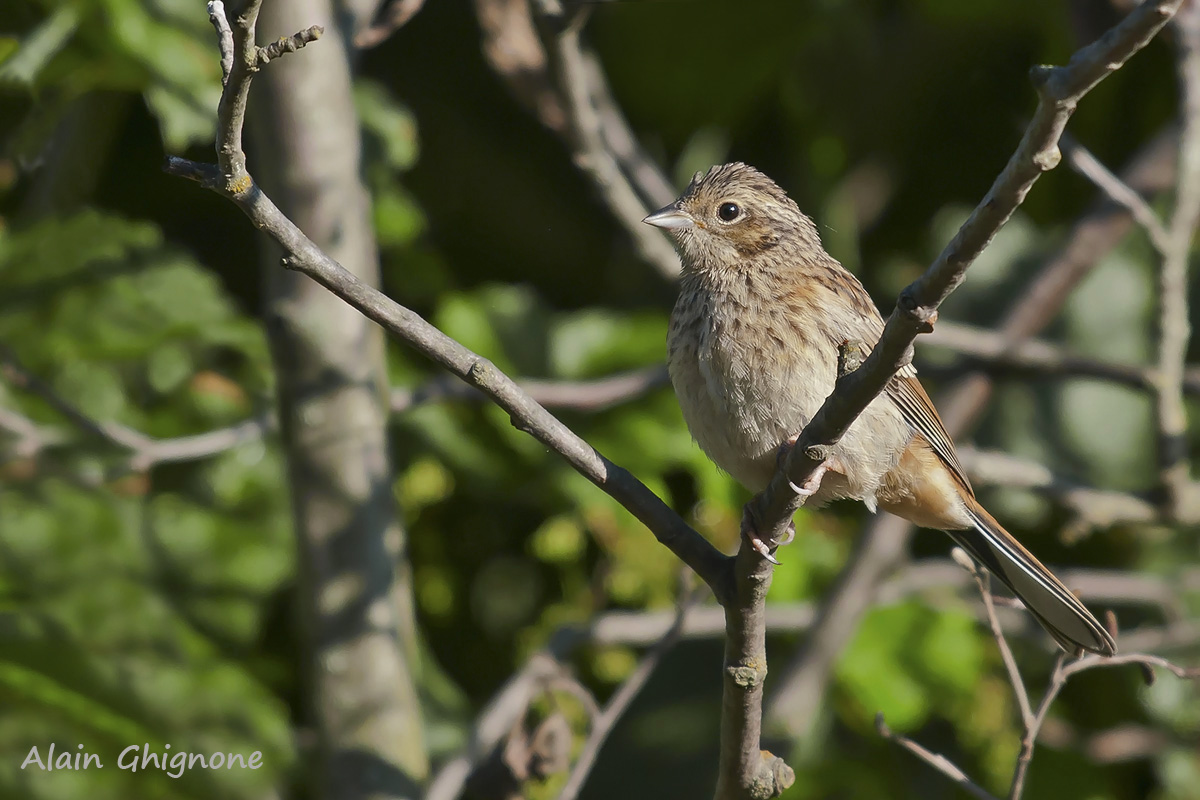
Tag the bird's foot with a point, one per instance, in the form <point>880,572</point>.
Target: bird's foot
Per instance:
<point>811,484</point>
<point>760,545</point>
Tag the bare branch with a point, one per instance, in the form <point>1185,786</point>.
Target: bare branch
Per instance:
<point>583,395</point>
<point>586,136</point>
<point>514,51</point>
<point>147,451</point>
<point>1123,659</point>
<point>1093,508</point>
<point>935,760</point>
<point>1174,328</point>
<point>1090,239</point>
<point>110,433</point>
<point>745,769</point>
<point>983,581</point>
<point>643,173</point>
<point>233,181</point>
<point>288,44</point>
<point>216,15</point>
<point>801,687</point>
<point>493,724</point>
<point>394,16</point>
<point>933,577</point>
<point>1032,721</point>
<point>994,352</point>
<point>1087,165</point>
<point>603,723</point>
<point>1059,90</point>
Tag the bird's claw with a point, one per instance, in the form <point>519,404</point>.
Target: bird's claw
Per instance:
<point>812,483</point>
<point>758,544</point>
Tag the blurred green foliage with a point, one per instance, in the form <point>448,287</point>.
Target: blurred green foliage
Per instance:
<point>155,607</point>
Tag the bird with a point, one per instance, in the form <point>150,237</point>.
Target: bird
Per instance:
<point>752,350</point>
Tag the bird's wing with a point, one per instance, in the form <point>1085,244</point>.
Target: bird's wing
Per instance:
<point>917,409</point>
<point>904,389</point>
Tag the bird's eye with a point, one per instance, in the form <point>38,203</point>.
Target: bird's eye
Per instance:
<point>729,211</point>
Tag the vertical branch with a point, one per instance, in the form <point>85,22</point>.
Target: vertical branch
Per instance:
<point>1174,329</point>
<point>745,770</point>
<point>1058,679</point>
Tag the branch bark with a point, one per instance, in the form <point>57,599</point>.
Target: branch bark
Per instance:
<point>1174,328</point>
<point>798,695</point>
<point>231,179</point>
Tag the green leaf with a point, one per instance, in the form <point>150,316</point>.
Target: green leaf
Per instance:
<point>388,122</point>
<point>22,66</point>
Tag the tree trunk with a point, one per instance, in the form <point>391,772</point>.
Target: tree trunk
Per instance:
<point>333,407</point>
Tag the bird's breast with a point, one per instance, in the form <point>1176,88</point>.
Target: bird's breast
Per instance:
<point>747,377</point>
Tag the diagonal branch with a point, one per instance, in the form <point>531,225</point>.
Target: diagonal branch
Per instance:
<point>586,135</point>
<point>606,720</point>
<point>935,760</point>
<point>1082,161</point>
<point>884,542</point>
<point>1059,90</point>
<point>231,179</point>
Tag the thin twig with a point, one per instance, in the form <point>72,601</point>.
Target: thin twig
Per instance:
<point>1058,679</point>
<point>993,352</point>
<point>1122,659</point>
<point>145,452</point>
<point>216,15</point>
<point>983,581</point>
<point>1031,720</point>
<point>1082,161</point>
<point>1090,239</point>
<point>930,577</point>
<point>583,395</point>
<point>585,128</point>
<point>935,760</point>
<point>1174,328</point>
<point>614,709</point>
<point>231,179</point>
<point>1093,508</point>
<point>111,433</point>
<point>493,724</point>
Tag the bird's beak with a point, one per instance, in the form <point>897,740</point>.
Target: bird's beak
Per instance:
<point>670,218</point>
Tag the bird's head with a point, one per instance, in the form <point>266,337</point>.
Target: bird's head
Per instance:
<point>732,214</point>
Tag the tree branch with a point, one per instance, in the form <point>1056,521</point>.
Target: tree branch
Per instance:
<point>585,130</point>
<point>1032,720</point>
<point>1121,193</point>
<point>935,760</point>
<point>994,352</point>
<point>886,538</point>
<point>1174,328</point>
<point>1059,90</point>
<point>231,179</point>
<point>606,720</point>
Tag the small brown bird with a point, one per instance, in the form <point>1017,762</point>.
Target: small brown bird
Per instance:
<point>753,349</point>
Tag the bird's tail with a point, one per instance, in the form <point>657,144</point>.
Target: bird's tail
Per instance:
<point>1051,603</point>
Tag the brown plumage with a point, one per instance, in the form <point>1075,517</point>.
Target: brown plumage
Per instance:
<point>752,351</point>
